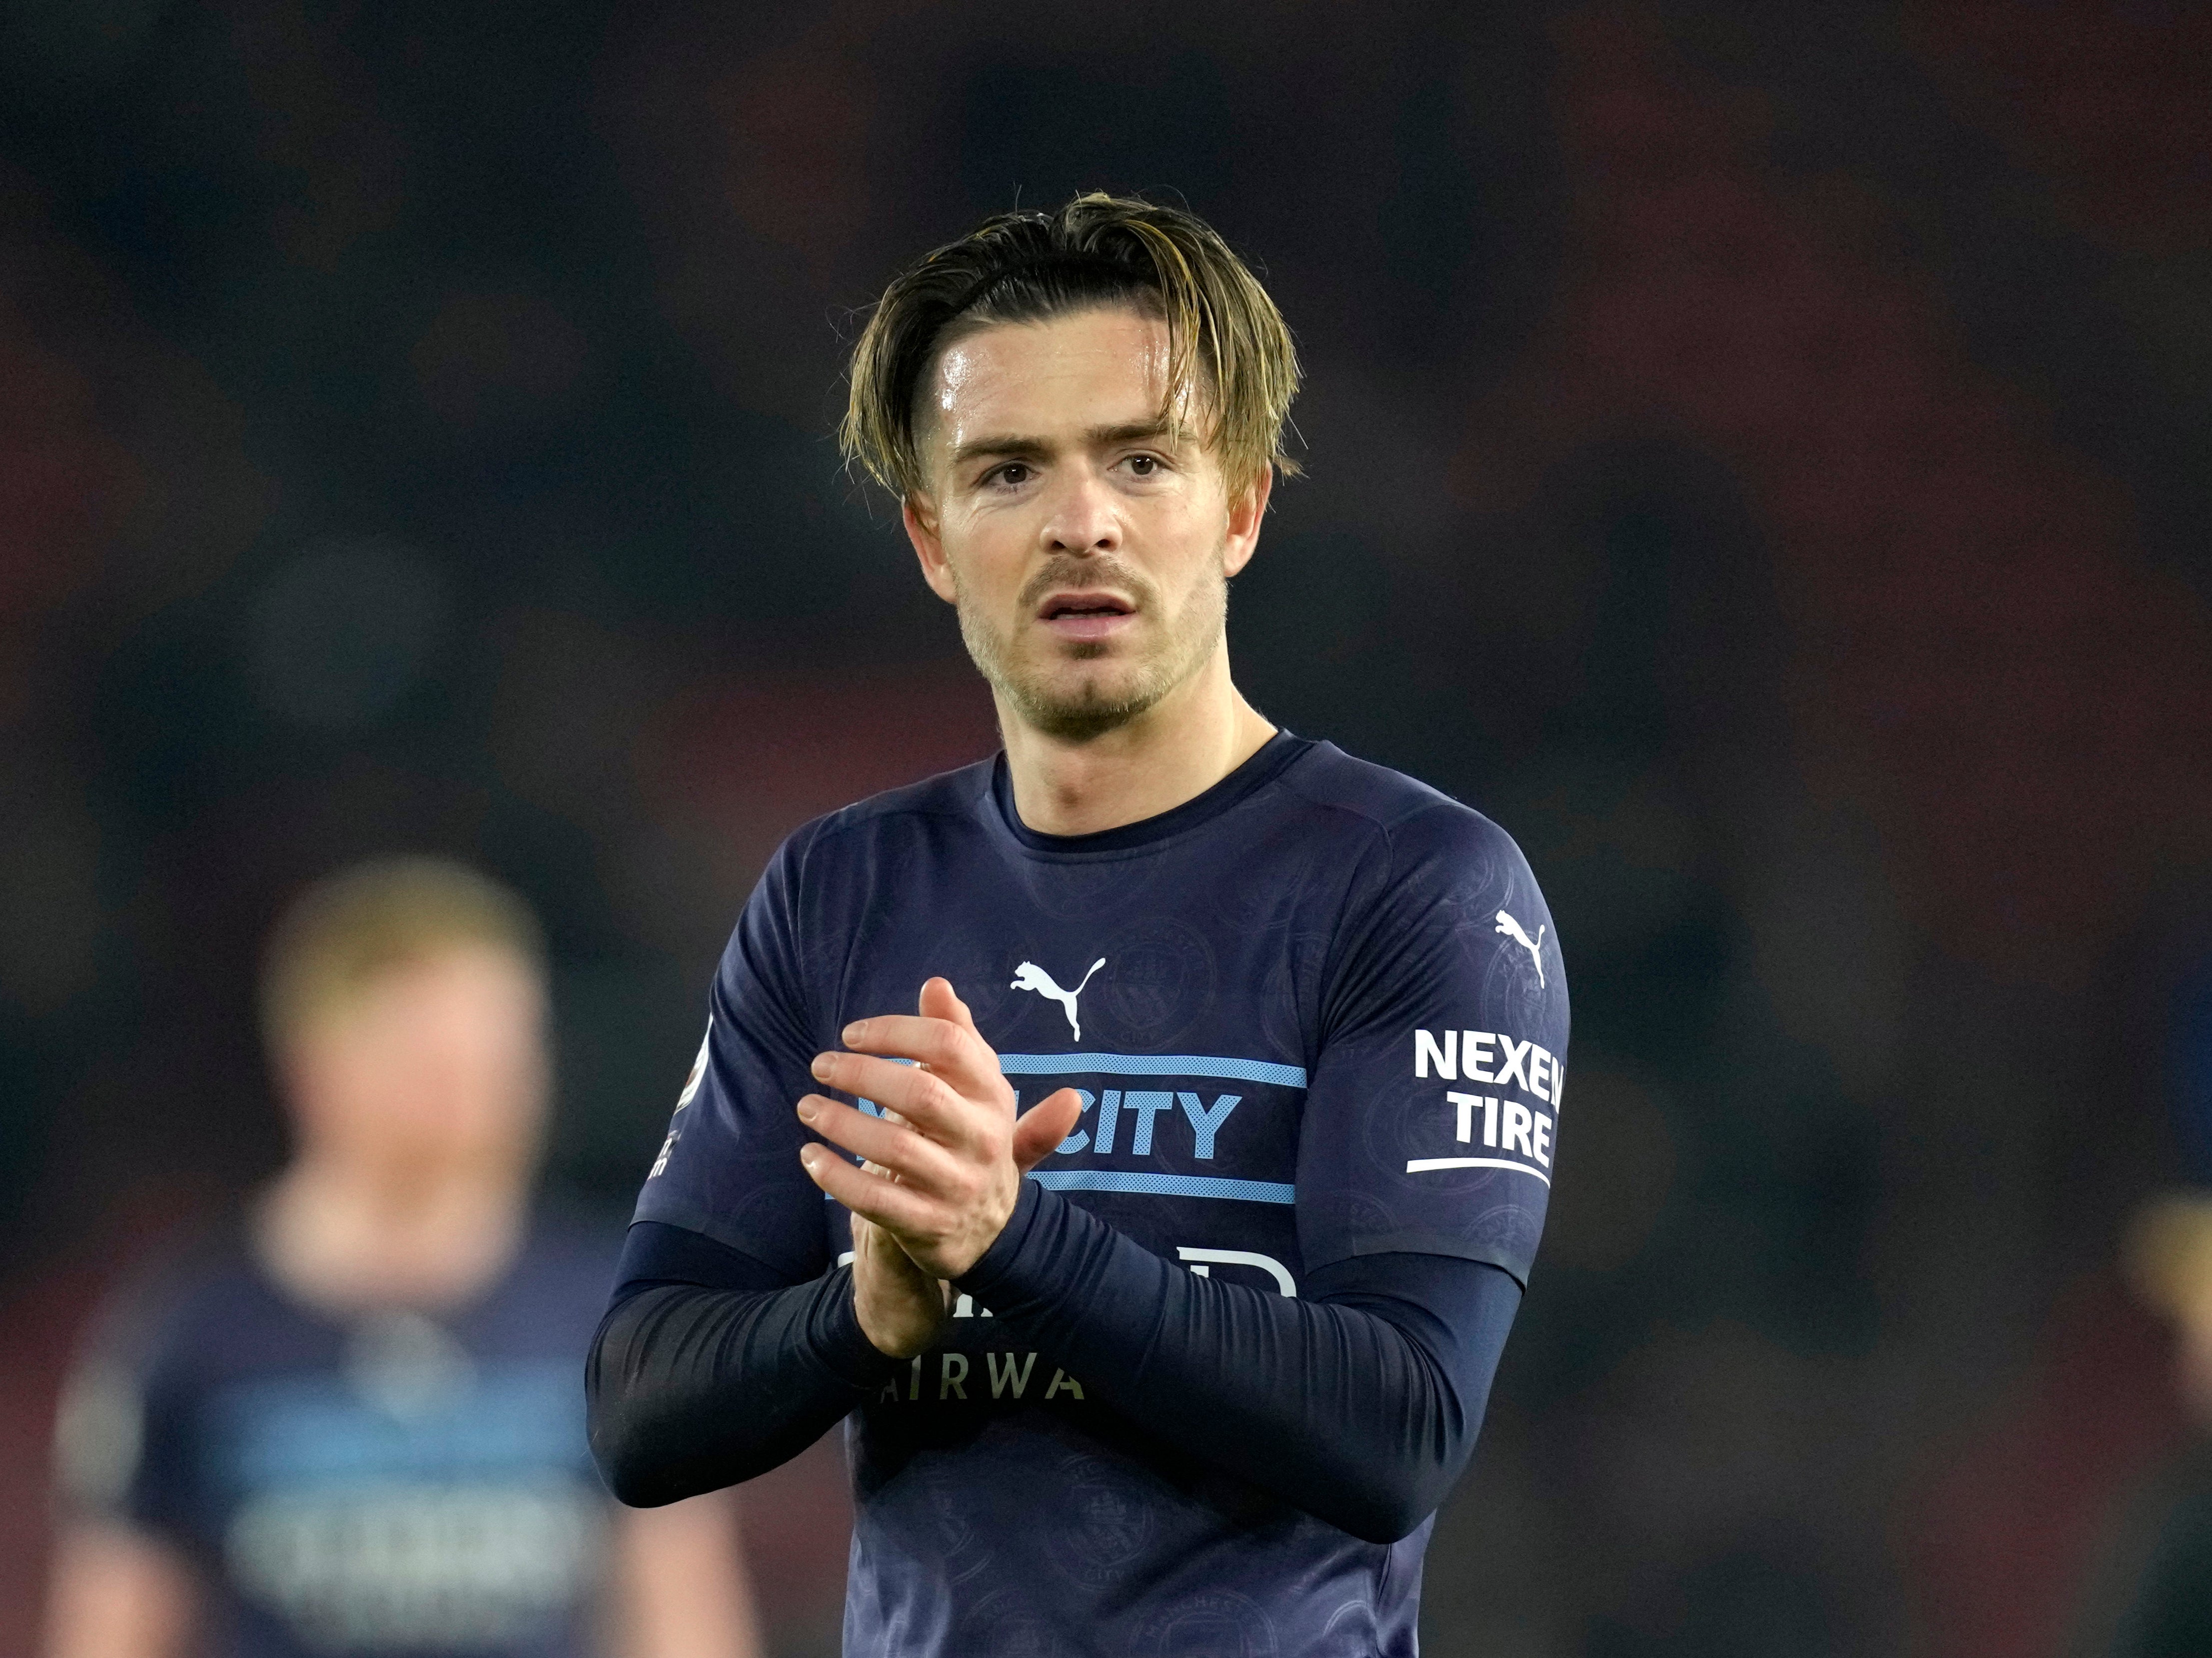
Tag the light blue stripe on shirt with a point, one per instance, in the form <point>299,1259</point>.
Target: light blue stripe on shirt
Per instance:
<point>1151,1065</point>
<point>1165,1185</point>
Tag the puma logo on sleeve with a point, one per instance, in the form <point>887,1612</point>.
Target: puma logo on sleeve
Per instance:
<point>1535,946</point>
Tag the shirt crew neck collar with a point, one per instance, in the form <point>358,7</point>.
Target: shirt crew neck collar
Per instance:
<point>1268,761</point>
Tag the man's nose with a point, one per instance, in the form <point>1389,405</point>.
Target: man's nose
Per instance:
<point>1085,517</point>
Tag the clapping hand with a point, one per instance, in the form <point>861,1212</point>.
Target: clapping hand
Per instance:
<point>942,1167</point>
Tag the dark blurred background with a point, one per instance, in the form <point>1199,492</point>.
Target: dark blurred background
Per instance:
<point>1759,455</point>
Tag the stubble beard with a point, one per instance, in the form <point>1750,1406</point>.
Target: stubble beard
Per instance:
<point>1076,707</point>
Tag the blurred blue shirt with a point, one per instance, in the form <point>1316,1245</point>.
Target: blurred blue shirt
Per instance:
<point>390,1482</point>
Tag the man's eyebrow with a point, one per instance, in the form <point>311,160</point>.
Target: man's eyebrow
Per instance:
<point>1135,432</point>
<point>997,444</point>
<point>1011,443</point>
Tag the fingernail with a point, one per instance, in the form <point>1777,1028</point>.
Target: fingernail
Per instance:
<point>807,1109</point>
<point>853,1032</point>
<point>808,1152</point>
<point>822,1066</point>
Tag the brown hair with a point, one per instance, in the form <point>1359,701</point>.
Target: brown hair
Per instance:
<point>350,928</point>
<point>1097,250</point>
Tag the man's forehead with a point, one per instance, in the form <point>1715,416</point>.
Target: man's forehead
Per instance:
<point>1094,368</point>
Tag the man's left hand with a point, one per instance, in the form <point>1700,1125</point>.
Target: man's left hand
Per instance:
<point>951,1160</point>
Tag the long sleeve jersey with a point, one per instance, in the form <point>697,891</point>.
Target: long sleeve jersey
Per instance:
<point>1317,1020</point>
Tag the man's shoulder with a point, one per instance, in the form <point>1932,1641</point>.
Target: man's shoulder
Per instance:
<point>188,1291</point>
<point>950,795</point>
<point>1408,819</point>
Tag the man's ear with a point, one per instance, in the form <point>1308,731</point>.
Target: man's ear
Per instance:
<point>1247,512</point>
<point>919,514</point>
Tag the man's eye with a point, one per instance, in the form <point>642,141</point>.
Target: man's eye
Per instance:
<point>1145,466</point>
<point>1014,471</point>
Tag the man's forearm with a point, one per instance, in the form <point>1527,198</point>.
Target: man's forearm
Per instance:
<point>118,1592</point>
<point>1333,1403</point>
<point>691,1388</point>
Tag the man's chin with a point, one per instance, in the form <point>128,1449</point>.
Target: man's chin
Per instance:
<point>1088,707</point>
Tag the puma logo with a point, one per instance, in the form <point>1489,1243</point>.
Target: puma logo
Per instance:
<point>1030,976</point>
<point>1535,946</point>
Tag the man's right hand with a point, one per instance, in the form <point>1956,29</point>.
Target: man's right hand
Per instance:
<point>901,1307</point>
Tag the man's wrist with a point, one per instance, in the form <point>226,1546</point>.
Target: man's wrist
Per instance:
<point>992,1266</point>
<point>841,1343</point>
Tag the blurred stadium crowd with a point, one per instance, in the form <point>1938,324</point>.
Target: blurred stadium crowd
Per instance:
<point>1758,456</point>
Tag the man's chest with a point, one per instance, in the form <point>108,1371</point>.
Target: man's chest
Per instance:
<point>1183,1012</point>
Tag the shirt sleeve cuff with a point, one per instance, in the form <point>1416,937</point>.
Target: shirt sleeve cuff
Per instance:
<point>1000,1265</point>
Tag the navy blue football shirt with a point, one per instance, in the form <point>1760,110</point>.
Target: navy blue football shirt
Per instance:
<point>389,1482</point>
<point>1316,1013</point>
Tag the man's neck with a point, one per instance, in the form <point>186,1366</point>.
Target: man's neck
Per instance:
<point>1175,751</point>
<point>348,1237</point>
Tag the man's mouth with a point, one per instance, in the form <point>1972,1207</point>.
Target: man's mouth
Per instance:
<point>1085,616</point>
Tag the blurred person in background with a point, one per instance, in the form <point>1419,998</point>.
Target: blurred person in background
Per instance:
<point>353,1423</point>
<point>2151,1594</point>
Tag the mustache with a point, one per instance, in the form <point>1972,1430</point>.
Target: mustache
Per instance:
<point>1071,574</point>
